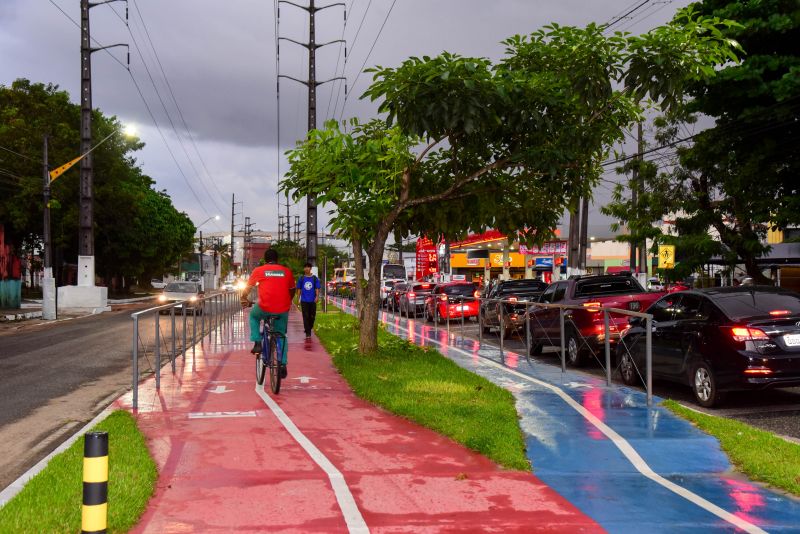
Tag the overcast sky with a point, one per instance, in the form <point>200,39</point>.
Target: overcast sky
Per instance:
<point>220,64</point>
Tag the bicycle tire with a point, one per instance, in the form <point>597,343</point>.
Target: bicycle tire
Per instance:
<point>274,366</point>
<point>261,368</point>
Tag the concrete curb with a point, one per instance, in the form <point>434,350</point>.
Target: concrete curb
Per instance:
<point>20,316</point>
<point>15,487</point>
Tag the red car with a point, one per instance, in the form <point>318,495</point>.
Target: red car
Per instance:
<point>584,328</point>
<point>452,300</point>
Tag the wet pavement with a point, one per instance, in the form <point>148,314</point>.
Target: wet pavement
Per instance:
<point>630,467</point>
<point>315,458</point>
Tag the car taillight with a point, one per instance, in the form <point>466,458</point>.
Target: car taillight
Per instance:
<point>477,294</point>
<point>776,313</point>
<point>512,299</point>
<point>443,298</point>
<point>593,306</point>
<point>425,286</point>
<point>741,333</point>
<point>758,371</point>
<point>411,294</point>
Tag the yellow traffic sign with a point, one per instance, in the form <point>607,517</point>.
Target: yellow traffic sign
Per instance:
<point>666,256</point>
<point>55,173</point>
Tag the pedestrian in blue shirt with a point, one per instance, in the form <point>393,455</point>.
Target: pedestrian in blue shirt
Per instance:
<point>309,286</point>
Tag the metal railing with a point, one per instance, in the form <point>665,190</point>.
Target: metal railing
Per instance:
<point>540,329</point>
<point>213,313</point>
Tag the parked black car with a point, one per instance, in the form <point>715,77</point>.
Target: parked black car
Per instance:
<point>520,292</point>
<point>719,339</point>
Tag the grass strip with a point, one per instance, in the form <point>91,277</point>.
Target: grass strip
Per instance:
<point>51,501</point>
<point>760,455</point>
<point>425,387</point>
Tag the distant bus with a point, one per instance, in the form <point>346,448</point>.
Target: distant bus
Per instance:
<point>393,271</point>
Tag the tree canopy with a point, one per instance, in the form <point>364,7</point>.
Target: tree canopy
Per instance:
<point>138,232</point>
<point>469,144</point>
<point>740,177</point>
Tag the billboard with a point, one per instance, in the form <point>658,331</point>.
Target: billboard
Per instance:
<point>427,258</point>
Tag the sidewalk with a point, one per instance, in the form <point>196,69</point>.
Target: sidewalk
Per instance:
<point>316,458</point>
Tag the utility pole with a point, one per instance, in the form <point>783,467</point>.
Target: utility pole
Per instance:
<point>297,228</point>
<point>640,185</point>
<point>634,205</point>
<point>86,215</point>
<point>584,237</point>
<point>247,244</point>
<point>49,309</point>
<point>233,214</point>
<point>572,243</point>
<point>312,84</point>
<point>200,262</point>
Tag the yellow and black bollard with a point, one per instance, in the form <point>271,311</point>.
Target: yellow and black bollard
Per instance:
<point>95,482</point>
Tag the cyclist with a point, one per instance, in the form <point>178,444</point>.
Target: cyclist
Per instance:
<point>276,288</point>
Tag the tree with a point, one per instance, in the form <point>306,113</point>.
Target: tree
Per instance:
<point>740,177</point>
<point>468,144</point>
<point>138,232</point>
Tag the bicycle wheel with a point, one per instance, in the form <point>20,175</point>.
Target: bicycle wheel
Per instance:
<point>261,367</point>
<point>274,366</point>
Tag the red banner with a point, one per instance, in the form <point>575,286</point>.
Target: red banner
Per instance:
<point>427,261</point>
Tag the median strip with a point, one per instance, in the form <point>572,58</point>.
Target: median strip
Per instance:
<point>51,501</point>
<point>760,455</point>
<point>425,387</point>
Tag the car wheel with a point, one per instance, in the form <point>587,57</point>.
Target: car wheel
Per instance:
<point>572,346</point>
<point>704,386</point>
<point>536,348</point>
<point>627,369</point>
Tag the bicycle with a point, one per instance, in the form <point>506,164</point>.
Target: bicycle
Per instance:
<point>271,345</point>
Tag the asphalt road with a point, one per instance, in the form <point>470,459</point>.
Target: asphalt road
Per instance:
<point>776,410</point>
<point>55,377</point>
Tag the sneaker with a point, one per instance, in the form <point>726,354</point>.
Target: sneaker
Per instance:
<point>284,371</point>
<point>256,348</point>
<point>308,336</point>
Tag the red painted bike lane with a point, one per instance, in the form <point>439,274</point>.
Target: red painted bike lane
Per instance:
<point>319,459</point>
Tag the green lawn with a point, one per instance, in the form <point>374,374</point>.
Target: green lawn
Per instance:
<point>51,501</point>
<point>424,386</point>
<point>760,455</point>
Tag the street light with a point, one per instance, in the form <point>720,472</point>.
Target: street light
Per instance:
<point>49,311</point>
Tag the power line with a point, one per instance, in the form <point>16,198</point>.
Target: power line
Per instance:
<point>20,155</point>
<point>174,99</point>
<point>352,48</point>
<point>336,69</point>
<point>614,21</point>
<point>385,20</point>
<point>147,106</point>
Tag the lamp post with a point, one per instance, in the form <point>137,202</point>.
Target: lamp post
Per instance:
<point>49,308</point>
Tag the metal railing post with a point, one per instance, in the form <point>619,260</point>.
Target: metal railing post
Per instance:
<point>194,330</point>
<point>172,320</point>
<point>183,347</point>
<point>526,318</point>
<point>607,343</point>
<point>502,330</point>
<point>480,324</point>
<point>563,350</point>
<point>447,308</point>
<point>462,317</point>
<point>202,319</point>
<point>649,359</point>
<point>158,350</point>
<point>135,385</point>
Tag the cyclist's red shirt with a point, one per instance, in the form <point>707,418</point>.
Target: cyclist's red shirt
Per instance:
<point>273,282</point>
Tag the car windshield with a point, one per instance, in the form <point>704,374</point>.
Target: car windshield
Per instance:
<point>181,287</point>
<point>466,290</point>
<point>394,271</point>
<point>607,286</point>
<point>520,286</point>
<point>751,304</point>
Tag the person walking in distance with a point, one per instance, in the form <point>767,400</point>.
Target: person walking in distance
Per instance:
<point>309,286</point>
<point>275,287</point>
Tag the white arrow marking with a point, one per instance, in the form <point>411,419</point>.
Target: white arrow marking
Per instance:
<point>220,389</point>
<point>304,379</point>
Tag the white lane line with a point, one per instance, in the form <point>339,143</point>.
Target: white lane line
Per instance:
<point>626,448</point>
<point>352,515</point>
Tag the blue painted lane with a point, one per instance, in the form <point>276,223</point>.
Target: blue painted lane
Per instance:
<point>577,459</point>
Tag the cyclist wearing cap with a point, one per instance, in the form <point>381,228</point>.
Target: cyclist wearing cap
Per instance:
<point>276,288</point>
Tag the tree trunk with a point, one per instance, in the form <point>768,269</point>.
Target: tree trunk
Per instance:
<point>754,271</point>
<point>370,305</point>
<point>358,253</point>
